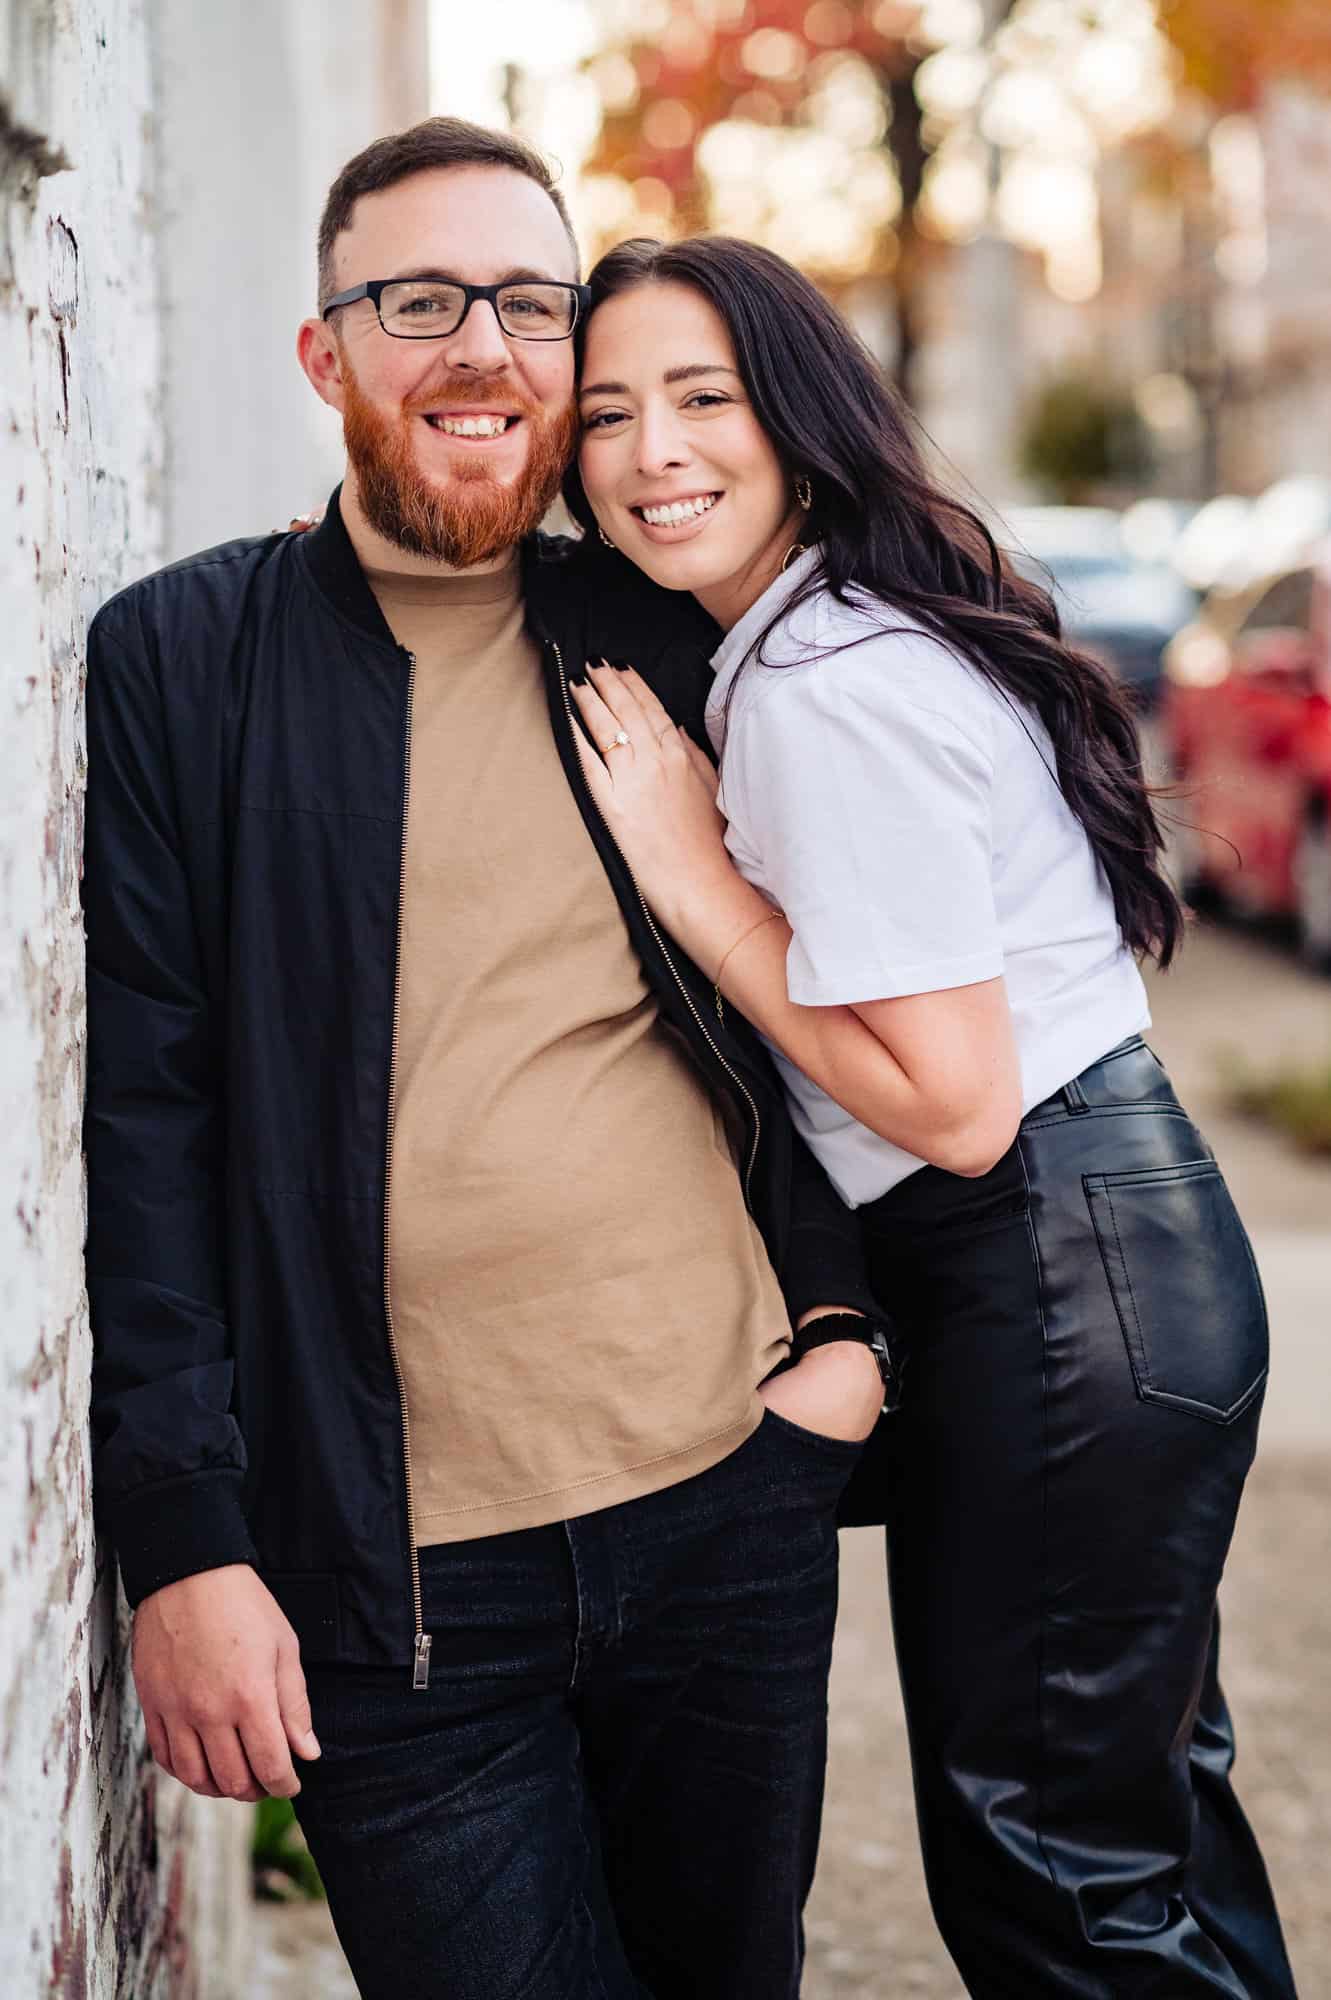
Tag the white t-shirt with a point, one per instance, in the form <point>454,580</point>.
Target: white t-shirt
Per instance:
<point>905,816</point>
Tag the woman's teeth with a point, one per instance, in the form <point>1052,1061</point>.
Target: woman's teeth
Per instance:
<point>471,427</point>
<point>678,510</point>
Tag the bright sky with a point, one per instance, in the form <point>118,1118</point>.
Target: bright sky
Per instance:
<point>546,39</point>
<point>470,46</point>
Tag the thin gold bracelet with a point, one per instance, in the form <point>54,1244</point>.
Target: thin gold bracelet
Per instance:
<point>743,938</point>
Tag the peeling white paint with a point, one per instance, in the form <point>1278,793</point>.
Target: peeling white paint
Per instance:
<point>106,1882</point>
<point>115,1883</point>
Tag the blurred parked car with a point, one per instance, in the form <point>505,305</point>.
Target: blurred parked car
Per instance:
<point>1246,720</point>
<point>1113,603</point>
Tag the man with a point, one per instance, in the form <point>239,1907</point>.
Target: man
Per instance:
<point>440,1233</point>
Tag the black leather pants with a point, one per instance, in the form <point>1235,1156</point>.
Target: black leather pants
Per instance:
<point>1088,1357</point>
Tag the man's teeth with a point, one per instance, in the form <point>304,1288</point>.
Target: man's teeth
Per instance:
<point>471,427</point>
<point>678,510</point>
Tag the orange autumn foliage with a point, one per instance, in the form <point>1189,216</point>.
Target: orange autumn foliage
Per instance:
<point>1232,50</point>
<point>711,69</point>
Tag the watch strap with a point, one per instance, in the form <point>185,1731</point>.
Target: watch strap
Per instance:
<point>885,1344</point>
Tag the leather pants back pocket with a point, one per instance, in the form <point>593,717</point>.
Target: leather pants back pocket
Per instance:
<point>1185,1286</point>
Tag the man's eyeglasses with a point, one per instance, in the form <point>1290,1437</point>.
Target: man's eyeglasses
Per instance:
<point>430,309</point>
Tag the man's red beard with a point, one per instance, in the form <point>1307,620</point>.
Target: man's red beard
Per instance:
<point>470,517</point>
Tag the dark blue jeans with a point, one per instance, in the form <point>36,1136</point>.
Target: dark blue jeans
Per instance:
<point>612,1787</point>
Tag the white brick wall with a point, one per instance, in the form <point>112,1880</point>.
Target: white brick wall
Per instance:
<point>111,1882</point>
<point>118,197</point>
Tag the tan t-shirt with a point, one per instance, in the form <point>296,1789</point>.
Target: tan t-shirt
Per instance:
<point>581,1304</point>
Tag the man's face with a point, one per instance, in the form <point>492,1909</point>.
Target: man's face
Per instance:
<point>459,500</point>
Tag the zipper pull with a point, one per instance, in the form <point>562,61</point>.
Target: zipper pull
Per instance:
<point>420,1672</point>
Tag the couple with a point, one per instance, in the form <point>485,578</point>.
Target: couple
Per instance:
<point>515,1166</point>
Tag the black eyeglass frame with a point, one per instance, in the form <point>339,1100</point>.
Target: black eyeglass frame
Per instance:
<point>374,289</point>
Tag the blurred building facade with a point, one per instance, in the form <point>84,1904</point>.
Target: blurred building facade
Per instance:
<point>160,177</point>
<point>1214,307</point>
<point>1281,337</point>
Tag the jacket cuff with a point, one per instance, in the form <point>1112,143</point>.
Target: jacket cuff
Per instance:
<point>177,1527</point>
<point>819,1273</point>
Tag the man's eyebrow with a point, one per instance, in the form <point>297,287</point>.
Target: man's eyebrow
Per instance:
<point>688,373</point>
<point>522,275</point>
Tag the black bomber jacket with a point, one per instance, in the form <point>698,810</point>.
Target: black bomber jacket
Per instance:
<point>248,718</point>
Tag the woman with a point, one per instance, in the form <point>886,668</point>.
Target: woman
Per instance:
<point>937,868</point>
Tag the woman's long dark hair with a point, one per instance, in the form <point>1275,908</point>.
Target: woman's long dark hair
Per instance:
<point>883,526</point>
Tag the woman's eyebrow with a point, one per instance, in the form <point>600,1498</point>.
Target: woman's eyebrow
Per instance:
<point>693,368</point>
<point>688,373</point>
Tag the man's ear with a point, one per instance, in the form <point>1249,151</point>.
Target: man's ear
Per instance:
<point>319,354</point>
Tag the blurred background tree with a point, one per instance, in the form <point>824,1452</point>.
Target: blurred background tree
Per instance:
<point>1082,438</point>
<point>1231,50</point>
<point>870,141</point>
<point>797,124</point>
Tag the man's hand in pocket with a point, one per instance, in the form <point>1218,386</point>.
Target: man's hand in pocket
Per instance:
<point>835,1390</point>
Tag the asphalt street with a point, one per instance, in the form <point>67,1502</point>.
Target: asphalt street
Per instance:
<point>869,1928</point>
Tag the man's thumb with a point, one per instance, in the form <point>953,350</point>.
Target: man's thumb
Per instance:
<point>293,1702</point>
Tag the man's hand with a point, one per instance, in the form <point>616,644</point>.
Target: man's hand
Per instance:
<point>217,1667</point>
<point>835,1389</point>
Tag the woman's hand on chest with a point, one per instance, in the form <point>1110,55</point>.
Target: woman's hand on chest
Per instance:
<point>656,790</point>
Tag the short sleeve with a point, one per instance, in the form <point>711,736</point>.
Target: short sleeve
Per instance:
<point>865,803</point>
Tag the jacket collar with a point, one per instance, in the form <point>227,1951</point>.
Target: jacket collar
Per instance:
<point>589,602</point>
<point>584,597</point>
<point>335,569</point>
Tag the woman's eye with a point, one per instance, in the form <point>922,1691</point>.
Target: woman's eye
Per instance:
<point>599,420</point>
<point>706,399</point>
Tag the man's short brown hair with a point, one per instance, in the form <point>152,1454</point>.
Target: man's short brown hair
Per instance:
<point>435,142</point>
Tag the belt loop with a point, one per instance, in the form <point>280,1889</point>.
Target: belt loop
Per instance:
<point>1074,1096</point>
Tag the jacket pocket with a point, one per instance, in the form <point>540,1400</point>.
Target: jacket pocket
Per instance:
<point>1185,1286</point>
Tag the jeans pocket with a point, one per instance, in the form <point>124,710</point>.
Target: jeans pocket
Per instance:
<point>843,1450</point>
<point>1185,1286</point>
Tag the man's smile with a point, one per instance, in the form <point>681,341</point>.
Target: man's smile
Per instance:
<point>477,425</point>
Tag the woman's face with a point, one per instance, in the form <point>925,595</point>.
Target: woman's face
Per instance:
<point>676,467</point>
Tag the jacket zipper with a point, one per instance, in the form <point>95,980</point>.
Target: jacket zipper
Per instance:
<point>420,1667</point>
<point>699,1023</point>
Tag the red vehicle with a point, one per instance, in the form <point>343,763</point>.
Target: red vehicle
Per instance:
<point>1247,723</point>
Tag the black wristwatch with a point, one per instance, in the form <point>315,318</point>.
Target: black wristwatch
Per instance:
<point>881,1339</point>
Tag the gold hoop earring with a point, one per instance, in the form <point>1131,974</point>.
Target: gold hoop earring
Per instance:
<point>604,537</point>
<point>804,491</point>
<point>793,554</point>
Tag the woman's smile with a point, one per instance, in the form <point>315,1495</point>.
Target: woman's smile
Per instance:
<point>677,520</point>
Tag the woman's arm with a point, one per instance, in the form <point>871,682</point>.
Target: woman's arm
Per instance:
<point>935,1073</point>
